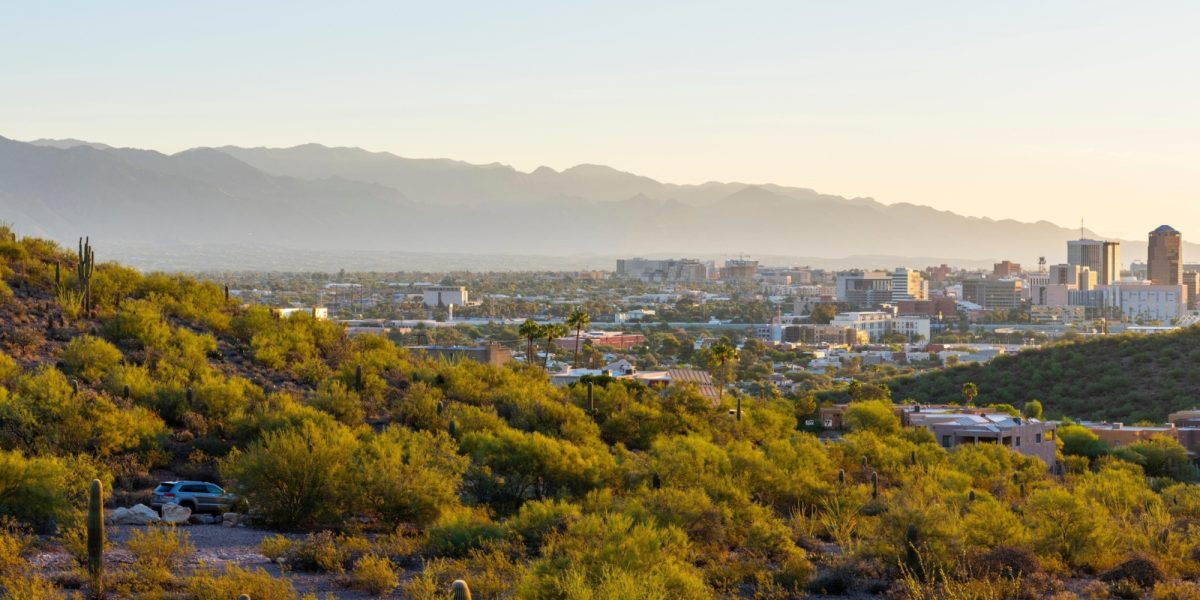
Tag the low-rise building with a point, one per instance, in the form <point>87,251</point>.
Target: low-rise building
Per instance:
<point>611,339</point>
<point>875,324</point>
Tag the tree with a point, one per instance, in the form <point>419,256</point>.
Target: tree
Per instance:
<point>551,332</point>
<point>1032,409</point>
<point>1080,441</point>
<point>579,320</point>
<point>721,355</point>
<point>873,415</point>
<point>530,330</point>
<point>822,313</point>
<point>969,392</point>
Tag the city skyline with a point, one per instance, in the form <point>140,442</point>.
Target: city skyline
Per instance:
<point>1027,112</point>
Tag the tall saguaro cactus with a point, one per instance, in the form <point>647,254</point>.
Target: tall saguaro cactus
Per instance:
<point>95,532</point>
<point>84,268</point>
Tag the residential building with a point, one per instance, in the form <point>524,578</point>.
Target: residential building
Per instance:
<point>993,294</point>
<point>1164,256</point>
<point>908,284</point>
<point>952,426</point>
<point>864,289</point>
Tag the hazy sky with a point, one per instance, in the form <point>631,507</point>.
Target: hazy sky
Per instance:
<point>1032,110</point>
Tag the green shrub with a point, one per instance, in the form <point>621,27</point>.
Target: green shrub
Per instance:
<point>461,531</point>
<point>405,476</point>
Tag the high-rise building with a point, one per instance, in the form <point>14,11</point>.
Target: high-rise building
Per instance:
<point>908,285</point>
<point>1191,281</point>
<point>1165,256</point>
<point>1102,258</point>
<point>740,269</point>
<point>1085,253</point>
<point>993,293</point>
<point>1110,266</point>
<point>864,289</point>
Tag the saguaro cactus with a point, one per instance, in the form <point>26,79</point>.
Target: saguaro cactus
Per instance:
<point>874,485</point>
<point>591,400</point>
<point>84,268</point>
<point>358,384</point>
<point>460,590</point>
<point>95,532</point>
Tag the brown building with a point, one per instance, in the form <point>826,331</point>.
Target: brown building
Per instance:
<point>993,293</point>
<point>939,274</point>
<point>940,306</point>
<point>1006,269</point>
<point>1164,257</point>
<point>620,341</point>
<point>1191,281</point>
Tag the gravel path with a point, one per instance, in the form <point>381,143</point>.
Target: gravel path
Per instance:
<point>215,545</point>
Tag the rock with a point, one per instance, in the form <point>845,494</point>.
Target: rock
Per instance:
<point>203,519</point>
<point>230,518</point>
<point>175,514</point>
<point>140,514</point>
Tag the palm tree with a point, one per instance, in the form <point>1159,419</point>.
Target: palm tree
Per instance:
<point>551,332</point>
<point>578,320</point>
<point>530,330</point>
<point>722,353</point>
<point>969,391</point>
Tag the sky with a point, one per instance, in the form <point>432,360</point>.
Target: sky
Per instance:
<point>1055,111</point>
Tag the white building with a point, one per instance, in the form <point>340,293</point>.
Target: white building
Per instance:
<point>1165,303</point>
<point>908,285</point>
<point>442,295</point>
<point>912,327</point>
<point>317,312</point>
<point>875,323</point>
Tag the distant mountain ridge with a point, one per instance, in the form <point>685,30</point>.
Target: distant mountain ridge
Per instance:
<point>324,199</point>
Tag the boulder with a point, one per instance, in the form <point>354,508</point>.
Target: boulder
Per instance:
<point>230,519</point>
<point>203,519</point>
<point>140,514</point>
<point>175,514</point>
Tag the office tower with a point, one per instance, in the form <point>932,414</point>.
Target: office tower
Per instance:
<point>908,285</point>
<point>1165,256</point>
<point>1086,253</point>
<point>1110,266</point>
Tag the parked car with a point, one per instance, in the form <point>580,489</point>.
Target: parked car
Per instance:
<point>200,496</point>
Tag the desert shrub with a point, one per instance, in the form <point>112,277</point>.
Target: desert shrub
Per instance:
<point>408,476</point>
<point>610,555</point>
<point>296,477</point>
<point>1141,570</point>
<point>39,489</point>
<point>158,552</point>
<point>1064,526</point>
<point>537,519</point>
<point>90,358</point>
<point>28,586</point>
<point>338,400</point>
<point>324,551</point>
<point>458,532</point>
<point>8,368</point>
<point>233,581</point>
<point>375,575</point>
<point>1176,590</point>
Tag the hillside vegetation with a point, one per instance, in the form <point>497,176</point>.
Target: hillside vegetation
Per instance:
<point>1125,378</point>
<point>408,473</point>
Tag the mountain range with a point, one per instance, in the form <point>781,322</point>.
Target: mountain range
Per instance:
<point>319,201</point>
